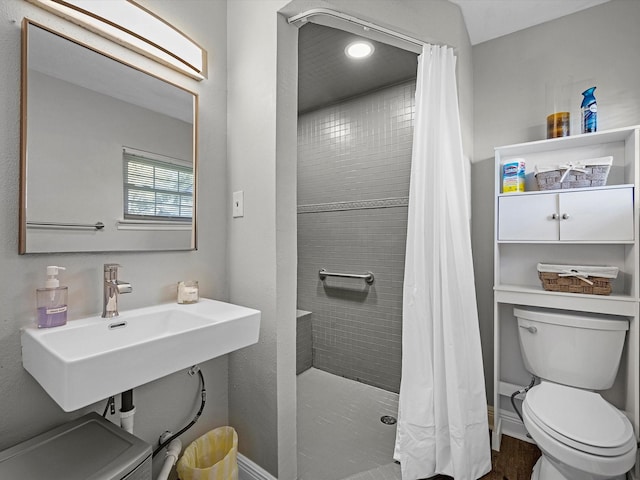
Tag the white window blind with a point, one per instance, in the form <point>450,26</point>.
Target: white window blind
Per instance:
<point>156,189</point>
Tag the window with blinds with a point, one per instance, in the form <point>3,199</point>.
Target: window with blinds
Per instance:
<point>157,190</point>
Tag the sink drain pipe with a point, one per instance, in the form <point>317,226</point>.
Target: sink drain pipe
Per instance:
<point>127,410</point>
<point>171,455</point>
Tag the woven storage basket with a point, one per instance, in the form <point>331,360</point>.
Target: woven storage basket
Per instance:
<point>586,173</point>
<point>577,279</point>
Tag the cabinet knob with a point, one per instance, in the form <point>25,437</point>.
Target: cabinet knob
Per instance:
<point>554,216</point>
<point>565,216</point>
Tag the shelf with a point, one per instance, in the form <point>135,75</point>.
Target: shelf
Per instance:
<point>565,242</point>
<point>538,297</point>
<point>574,141</point>
<point>564,190</point>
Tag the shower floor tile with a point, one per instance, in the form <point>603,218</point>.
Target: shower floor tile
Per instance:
<point>339,429</point>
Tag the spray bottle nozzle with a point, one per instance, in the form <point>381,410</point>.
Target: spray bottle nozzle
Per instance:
<point>589,98</point>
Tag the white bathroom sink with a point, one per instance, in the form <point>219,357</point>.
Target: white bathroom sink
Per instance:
<point>93,358</point>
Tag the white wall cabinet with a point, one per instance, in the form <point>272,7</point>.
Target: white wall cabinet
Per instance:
<point>587,226</point>
<point>600,214</point>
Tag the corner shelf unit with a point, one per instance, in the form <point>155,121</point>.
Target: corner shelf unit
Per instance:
<point>601,229</point>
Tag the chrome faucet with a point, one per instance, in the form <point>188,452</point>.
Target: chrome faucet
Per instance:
<point>112,288</point>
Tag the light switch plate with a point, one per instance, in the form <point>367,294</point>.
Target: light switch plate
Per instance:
<point>238,204</point>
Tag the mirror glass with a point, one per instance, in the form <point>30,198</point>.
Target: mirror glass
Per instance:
<point>108,156</point>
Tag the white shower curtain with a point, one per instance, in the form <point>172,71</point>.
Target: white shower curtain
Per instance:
<point>442,417</point>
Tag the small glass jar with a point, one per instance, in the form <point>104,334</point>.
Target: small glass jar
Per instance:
<point>559,125</point>
<point>188,291</point>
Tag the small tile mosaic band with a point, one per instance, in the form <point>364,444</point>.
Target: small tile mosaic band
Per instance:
<point>358,205</point>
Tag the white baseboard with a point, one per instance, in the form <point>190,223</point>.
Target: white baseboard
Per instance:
<point>512,426</point>
<point>249,470</point>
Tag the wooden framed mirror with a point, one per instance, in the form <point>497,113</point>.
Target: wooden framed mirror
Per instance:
<point>108,159</point>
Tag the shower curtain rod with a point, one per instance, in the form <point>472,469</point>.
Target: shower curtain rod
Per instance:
<point>302,18</point>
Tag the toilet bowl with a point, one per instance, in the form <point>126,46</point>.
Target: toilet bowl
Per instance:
<point>580,434</point>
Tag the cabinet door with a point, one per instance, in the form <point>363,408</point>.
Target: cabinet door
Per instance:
<point>528,217</point>
<point>596,215</point>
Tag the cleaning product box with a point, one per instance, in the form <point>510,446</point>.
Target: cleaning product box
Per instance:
<point>513,173</point>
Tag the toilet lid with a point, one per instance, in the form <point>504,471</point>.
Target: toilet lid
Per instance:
<point>582,417</point>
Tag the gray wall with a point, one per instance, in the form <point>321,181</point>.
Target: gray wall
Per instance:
<point>262,74</point>
<point>169,402</point>
<point>597,46</point>
<point>354,162</point>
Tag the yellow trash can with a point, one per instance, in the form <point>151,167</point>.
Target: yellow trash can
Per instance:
<point>213,456</point>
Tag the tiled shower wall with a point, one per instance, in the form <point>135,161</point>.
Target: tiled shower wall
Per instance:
<point>354,161</point>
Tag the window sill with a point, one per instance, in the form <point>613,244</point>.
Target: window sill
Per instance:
<point>152,225</point>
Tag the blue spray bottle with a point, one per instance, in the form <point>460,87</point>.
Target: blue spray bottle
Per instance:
<point>589,111</point>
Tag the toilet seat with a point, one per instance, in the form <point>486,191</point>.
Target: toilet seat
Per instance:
<point>579,419</point>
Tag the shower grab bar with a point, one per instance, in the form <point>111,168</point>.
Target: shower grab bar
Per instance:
<point>96,226</point>
<point>367,277</point>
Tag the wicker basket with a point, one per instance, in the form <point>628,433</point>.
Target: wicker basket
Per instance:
<point>586,173</point>
<point>577,279</point>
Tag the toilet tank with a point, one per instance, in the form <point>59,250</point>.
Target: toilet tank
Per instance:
<point>578,349</point>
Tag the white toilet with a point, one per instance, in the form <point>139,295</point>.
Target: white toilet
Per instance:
<point>581,435</point>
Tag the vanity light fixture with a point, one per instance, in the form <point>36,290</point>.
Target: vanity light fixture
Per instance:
<point>131,25</point>
<point>359,49</point>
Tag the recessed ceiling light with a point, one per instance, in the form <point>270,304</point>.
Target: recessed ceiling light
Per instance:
<point>359,49</point>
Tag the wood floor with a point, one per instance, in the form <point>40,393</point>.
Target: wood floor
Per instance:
<point>514,461</point>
